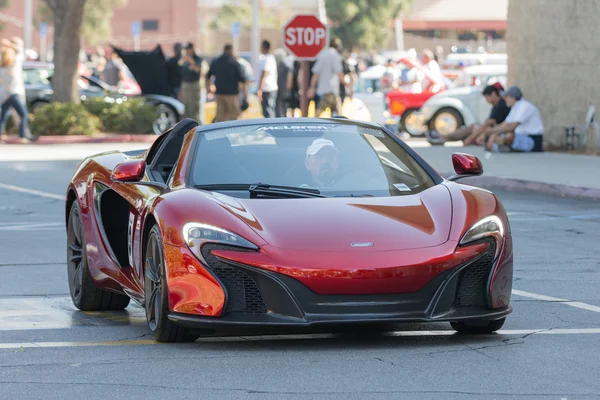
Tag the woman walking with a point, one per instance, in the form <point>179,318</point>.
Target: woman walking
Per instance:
<point>12,86</point>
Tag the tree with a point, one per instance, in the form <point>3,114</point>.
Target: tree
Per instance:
<point>364,24</point>
<point>68,16</point>
<point>242,13</point>
<point>89,20</point>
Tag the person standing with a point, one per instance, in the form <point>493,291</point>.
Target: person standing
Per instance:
<point>191,67</point>
<point>266,76</point>
<point>228,75</point>
<point>174,71</point>
<point>430,65</point>
<point>12,86</point>
<point>325,82</point>
<point>114,69</point>
<point>284,70</point>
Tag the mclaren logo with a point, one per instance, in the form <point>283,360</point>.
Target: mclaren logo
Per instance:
<point>362,244</point>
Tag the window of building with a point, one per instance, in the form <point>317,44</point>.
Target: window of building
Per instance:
<point>150,25</point>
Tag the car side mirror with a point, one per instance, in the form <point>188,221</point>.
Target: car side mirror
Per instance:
<point>465,165</point>
<point>129,171</point>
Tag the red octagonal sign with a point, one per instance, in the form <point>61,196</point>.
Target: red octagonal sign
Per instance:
<point>305,36</point>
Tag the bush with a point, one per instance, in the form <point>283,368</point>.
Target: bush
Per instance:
<point>64,119</point>
<point>130,116</point>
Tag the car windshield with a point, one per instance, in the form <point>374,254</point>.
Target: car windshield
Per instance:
<point>37,76</point>
<point>334,158</point>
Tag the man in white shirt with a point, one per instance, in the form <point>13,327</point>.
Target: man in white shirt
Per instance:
<point>431,66</point>
<point>266,77</point>
<point>522,130</point>
<point>325,82</point>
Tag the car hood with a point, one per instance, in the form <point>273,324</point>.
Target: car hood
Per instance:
<point>338,224</point>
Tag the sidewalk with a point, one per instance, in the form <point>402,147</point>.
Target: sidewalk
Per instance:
<point>553,174</point>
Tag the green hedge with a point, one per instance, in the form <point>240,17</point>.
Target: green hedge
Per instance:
<point>93,116</point>
<point>64,119</point>
<point>131,116</point>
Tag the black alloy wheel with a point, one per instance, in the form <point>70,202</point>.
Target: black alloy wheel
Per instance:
<point>156,295</point>
<point>84,294</point>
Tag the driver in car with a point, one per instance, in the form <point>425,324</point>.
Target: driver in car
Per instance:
<point>322,161</point>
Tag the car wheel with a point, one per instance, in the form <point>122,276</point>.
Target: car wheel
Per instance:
<point>166,117</point>
<point>412,124</point>
<point>85,295</point>
<point>156,298</point>
<point>446,121</point>
<point>478,327</point>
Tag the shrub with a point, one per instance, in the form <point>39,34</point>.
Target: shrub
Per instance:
<point>130,116</point>
<point>64,119</point>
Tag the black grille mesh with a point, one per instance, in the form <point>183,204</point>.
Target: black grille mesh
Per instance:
<point>243,295</point>
<point>472,289</point>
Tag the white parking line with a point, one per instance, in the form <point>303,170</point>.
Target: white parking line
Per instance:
<point>541,297</point>
<point>31,191</point>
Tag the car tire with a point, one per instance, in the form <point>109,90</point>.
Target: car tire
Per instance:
<point>156,296</point>
<point>166,118</point>
<point>84,293</point>
<point>478,327</point>
<point>408,125</point>
<point>446,121</point>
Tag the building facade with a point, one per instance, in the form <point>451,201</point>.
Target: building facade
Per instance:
<point>553,55</point>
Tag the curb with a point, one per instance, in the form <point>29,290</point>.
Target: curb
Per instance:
<point>519,185</point>
<point>83,139</point>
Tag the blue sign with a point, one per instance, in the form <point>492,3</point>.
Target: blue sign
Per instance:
<point>43,29</point>
<point>235,29</point>
<point>136,28</point>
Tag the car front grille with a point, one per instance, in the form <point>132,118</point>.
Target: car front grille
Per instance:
<point>243,295</point>
<point>472,287</point>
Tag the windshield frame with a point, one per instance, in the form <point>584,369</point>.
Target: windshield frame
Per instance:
<point>204,129</point>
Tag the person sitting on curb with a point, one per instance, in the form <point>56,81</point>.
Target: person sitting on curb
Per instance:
<point>523,129</point>
<point>468,134</point>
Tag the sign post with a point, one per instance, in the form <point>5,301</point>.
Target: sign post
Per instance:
<point>136,31</point>
<point>43,32</point>
<point>235,34</point>
<point>305,36</point>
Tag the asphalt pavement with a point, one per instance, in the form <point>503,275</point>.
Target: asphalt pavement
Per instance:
<point>548,348</point>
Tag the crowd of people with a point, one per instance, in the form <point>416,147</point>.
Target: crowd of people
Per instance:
<point>277,81</point>
<point>514,124</point>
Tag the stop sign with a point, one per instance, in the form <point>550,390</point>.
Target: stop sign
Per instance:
<point>305,36</point>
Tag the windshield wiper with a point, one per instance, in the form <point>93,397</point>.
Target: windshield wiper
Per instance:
<point>265,190</point>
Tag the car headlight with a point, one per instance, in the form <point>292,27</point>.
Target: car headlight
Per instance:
<point>197,234</point>
<point>490,226</point>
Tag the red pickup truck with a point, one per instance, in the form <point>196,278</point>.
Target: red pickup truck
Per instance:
<point>405,104</point>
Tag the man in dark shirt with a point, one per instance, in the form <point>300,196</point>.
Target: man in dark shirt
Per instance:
<point>228,75</point>
<point>472,133</point>
<point>190,82</point>
<point>174,71</point>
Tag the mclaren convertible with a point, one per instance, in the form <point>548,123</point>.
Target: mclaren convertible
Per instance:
<point>285,223</point>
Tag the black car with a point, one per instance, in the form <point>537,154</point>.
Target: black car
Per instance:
<point>38,89</point>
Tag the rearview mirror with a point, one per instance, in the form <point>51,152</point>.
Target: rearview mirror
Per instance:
<point>465,165</point>
<point>129,171</point>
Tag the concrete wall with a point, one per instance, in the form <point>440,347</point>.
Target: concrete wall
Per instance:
<point>554,56</point>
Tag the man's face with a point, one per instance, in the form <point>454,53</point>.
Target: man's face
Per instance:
<point>492,98</point>
<point>189,51</point>
<point>323,165</point>
<point>510,101</point>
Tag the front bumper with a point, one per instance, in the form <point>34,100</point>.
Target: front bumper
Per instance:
<point>257,297</point>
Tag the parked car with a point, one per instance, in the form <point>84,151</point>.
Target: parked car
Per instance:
<point>38,88</point>
<point>464,105</point>
<point>405,103</point>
